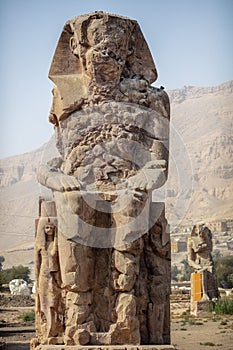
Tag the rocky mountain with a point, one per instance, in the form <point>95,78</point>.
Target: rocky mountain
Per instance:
<point>19,196</point>
<point>203,120</point>
<point>199,188</point>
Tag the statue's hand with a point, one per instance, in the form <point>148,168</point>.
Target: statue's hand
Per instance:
<point>62,183</point>
<point>57,181</point>
<point>156,164</point>
<point>138,181</point>
<point>193,264</point>
<point>150,177</point>
<point>197,267</point>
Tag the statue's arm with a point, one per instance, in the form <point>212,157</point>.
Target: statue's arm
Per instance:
<point>38,262</point>
<point>194,265</point>
<point>54,251</point>
<point>192,256</point>
<point>56,180</point>
<point>202,247</point>
<point>154,173</point>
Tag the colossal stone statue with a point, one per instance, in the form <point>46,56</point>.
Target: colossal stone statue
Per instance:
<point>104,274</point>
<point>200,248</point>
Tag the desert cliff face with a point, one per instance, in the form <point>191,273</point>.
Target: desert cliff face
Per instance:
<point>203,118</point>
<point>202,121</point>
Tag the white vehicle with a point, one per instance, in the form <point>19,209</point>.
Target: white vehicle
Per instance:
<point>19,287</point>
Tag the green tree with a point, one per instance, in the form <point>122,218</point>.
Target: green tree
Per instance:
<point>2,259</point>
<point>224,270</point>
<point>216,256</point>
<point>16,272</point>
<point>187,270</point>
<point>174,272</point>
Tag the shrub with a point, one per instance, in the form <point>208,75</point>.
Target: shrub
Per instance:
<point>223,306</point>
<point>187,270</point>
<point>16,272</point>
<point>28,317</point>
<point>224,270</point>
<point>2,259</point>
<point>174,273</point>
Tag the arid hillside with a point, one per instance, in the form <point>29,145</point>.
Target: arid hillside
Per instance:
<point>200,184</point>
<point>201,150</point>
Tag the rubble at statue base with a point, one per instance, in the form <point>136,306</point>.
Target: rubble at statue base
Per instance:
<point>203,279</point>
<point>102,247</point>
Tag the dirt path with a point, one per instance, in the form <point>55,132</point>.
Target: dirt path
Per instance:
<point>190,333</point>
<point>17,338</point>
<point>14,330</point>
<point>203,334</point>
<point>187,333</point>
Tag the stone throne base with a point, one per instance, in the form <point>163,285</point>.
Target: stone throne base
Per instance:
<point>146,301</point>
<point>108,347</point>
<point>199,307</point>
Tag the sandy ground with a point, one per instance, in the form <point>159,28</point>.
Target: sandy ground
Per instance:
<point>187,332</point>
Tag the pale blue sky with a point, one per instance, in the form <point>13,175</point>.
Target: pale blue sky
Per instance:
<point>191,42</point>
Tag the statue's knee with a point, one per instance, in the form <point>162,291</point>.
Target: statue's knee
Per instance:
<point>68,280</point>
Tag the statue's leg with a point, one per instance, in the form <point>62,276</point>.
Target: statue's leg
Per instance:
<point>51,323</point>
<point>77,274</point>
<point>158,264</point>
<point>205,285</point>
<point>130,216</point>
<point>212,286</point>
<point>156,322</point>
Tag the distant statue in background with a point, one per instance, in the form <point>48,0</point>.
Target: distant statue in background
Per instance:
<point>200,248</point>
